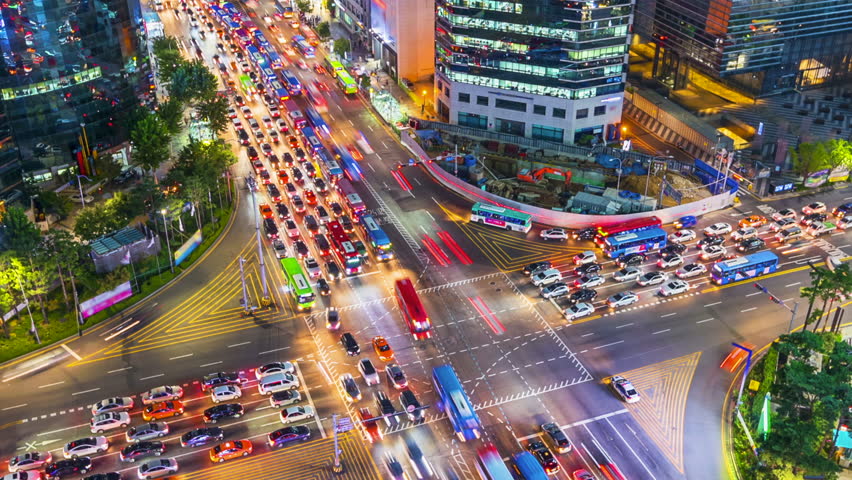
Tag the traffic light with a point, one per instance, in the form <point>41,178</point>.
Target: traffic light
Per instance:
<point>776,300</point>
<point>760,287</point>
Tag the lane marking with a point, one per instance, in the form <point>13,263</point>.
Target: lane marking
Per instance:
<point>86,391</point>
<point>662,331</point>
<point>631,450</point>
<point>271,351</point>
<point>210,364</point>
<point>579,423</point>
<point>668,315</point>
<point>152,376</point>
<point>748,309</point>
<point>62,429</point>
<point>119,369</point>
<point>793,284</point>
<point>72,352</point>
<point>705,320</point>
<point>753,294</point>
<point>310,400</point>
<point>16,406</point>
<point>238,344</point>
<point>608,344</point>
<point>52,384</point>
<point>712,304</point>
<point>625,325</point>
<point>182,356</point>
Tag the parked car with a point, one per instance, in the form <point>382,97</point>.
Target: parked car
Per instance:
<point>554,234</point>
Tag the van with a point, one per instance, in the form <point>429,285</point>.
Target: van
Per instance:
<point>546,277</point>
<point>277,382</point>
<point>368,371</point>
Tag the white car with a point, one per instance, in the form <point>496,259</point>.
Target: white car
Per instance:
<point>744,234</point>
<point>160,467</point>
<point>274,367</point>
<point>675,287</point>
<point>29,461</point>
<point>284,398</point>
<point>709,252</point>
<point>312,267</point>
<point>652,278</point>
<point>816,207</point>
<point>589,281</point>
<point>625,389</point>
<point>670,261</point>
<point>369,372</point>
<point>146,431</point>
<point>782,224</point>
<point>627,274</point>
<point>578,310</point>
<point>718,229</point>
<point>22,476</point>
<point>554,234</point>
<point>555,290</point>
<point>85,447</point>
<point>225,392</point>
<point>109,421</point>
<point>682,236</point>
<point>281,125</point>
<point>585,257</point>
<point>117,404</point>
<point>246,112</point>
<point>789,234</point>
<point>296,414</point>
<point>266,120</point>
<point>691,270</point>
<point>844,223</point>
<point>546,277</point>
<point>622,299</point>
<point>162,394</point>
<point>787,213</point>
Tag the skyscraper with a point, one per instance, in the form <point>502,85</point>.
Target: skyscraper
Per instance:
<point>551,70</point>
<point>403,33</point>
<point>68,70</point>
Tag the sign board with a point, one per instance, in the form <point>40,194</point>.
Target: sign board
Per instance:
<point>344,424</point>
<point>670,191</point>
<point>105,300</point>
<point>838,174</point>
<point>816,179</point>
<point>188,247</point>
<point>781,187</point>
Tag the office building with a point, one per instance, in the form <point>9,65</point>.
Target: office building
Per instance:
<point>758,47</point>
<point>354,15</point>
<point>550,70</point>
<point>403,33</point>
<point>68,71</point>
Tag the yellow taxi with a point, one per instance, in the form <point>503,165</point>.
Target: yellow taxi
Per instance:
<point>266,210</point>
<point>752,221</point>
<point>383,349</point>
<point>229,450</point>
<point>158,411</point>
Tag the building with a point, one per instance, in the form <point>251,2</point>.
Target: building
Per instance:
<point>68,71</point>
<point>758,47</point>
<point>551,70</point>
<point>354,15</point>
<point>403,34</point>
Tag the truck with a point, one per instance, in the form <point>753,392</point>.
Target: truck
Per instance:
<point>818,229</point>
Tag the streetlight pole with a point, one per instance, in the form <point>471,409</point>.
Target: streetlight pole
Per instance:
<point>265,300</point>
<point>246,306</point>
<point>618,182</point>
<point>80,187</point>
<point>32,322</point>
<point>168,244</point>
<point>775,299</point>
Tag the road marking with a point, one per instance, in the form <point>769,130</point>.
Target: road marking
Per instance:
<point>748,309</point>
<point>62,429</point>
<point>310,400</point>
<point>119,369</point>
<point>152,376</point>
<point>625,325</point>
<point>371,167</point>
<point>793,284</point>
<point>579,423</point>
<point>705,320</point>
<point>586,335</point>
<point>52,384</point>
<point>73,354</point>
<point>712,304</point>
<point>631,449</point>
<point>182,356</point>
<point>238,344</point>
<point>86,391</point>
<point>662,331</point>
<point>16,406</point>
<point>275,350</point>
<point>753,294</point>
<point>668,315</point>
<point>210,364</point>
<point>608,344</point>
<point>797,256</point>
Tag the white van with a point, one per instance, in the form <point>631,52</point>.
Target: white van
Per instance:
<point>546,277</point>
<point>277,382</point>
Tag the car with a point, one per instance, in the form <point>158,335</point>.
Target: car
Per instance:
<point>321,85</point>
<point>544,457</point>
<point>265,210</point>
<point>292,141</point>
<point>280,249</point>
<point>232,113</point>
<point>842,210</point>
<point>85,446</point>
<point>162,394</point>
<point>109,421</point>
<point>582,474</point>
<point>709,241</point>
<point>64,468</point>
<point>292,230</point>
<point>789,234</point>
<point>246,112</point>
<point>284,180</point>
<point>266,121</point>
<point>409,404</point>
<point>238,124</point>
<point>419,463</point>
<point>253,156</point>
<point>672,249</point>
<point>298,204</point>
<point>323,287</point>
<point>546,277</point>
<point>270,228</point>
<point>651,278</point>
<point>721,228</point>
<point>147,431</point>
<point>782,224</point>
<point>274,110</point>
<point>230,450</point>
<point>555,290</point>
<point>587,233</point>
<point>360,248</point>
<point>244,138</point>
<point>670,261</point>
<point>320,186</point>
<point>238,99</point>
<point>287,435</point>
<point>158,411</point>
<point>310,196</point>
<point>682,236</point>
<point>349,344</point>
<point>812,218</point>
<point>273,192</point>
<point>627,274</point>
<point>29,461</point>
<point>138,450</point>
<point>356,154</point>
<point>201,436</point>
<point>282,126</point>
<point>557,439</point>
<point>687,221</point>
<point>583,295</point>
<point>751,245</point>
<point>383,349</point>
<point>225,392</point>
<point>710,252</point>
<point>275,138</point>
<point>589,281</point>
<point>310,170</point>
<point>588,268</point>
<point>554,234</point>
<point>283,398</point>
<point>622,299</point>
<point>266,149</point>
<point>332,319</point>
<point>101,476</point>
<point>322,215</point>
<point>370,425</point>
<point>585,257</point>
<point>386,408</point>
<point>536,267</point>
<point>350,388</point>
<point>844,222</point>
<point>336,209</point>
<point>691,270</point>
<point>222,411</point>
<point>297,175</point>
<point>296,414</point>
<point>816,207</point>
<point>274,367</point>
<point>675,287</point>
<point>786,213</point>
<point>624,389</point>
<point>396,377</point>
<point>311,267</point>
<point>301,249</point>
<point>157,468</point>
<point>347,224</point>
<point>744,234</point>
<point>753,221</point>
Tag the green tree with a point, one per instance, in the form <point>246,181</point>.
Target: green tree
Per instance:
<point>193,82</point>
<point>60,247</point>
<point>809,158</point>
<point>342,47</point>
<point>839,153</point>
<point>11,269</point>
<point>92,223</point>
<point>150,141</point>
<point>19,234</point>
<point>365,81</point>
<point>106,167</point>
<point>214,111</point>
<point>304,6</point>
<point>52,202</point>
<point>168,56</point>
<point>323,30</point>
<point>170,113</point>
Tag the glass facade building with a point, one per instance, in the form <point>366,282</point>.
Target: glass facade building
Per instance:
<point>69,69</point>
<point>758,46</point>
<point>532,67</point>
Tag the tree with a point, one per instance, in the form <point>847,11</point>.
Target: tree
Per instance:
<point>809,158</point>
<point>150,141</point>
<point>67,254</point>
<point>323,30</point>
<point>19,234</point>
<point>342,47</point>
<point>214,111</point>
<point>168,56</point>
<point>52,202</point>
<point>106,167</point>
<point>11,269</point>
<point>193,82</point>
<point>170,113</point>
<point>304,6</point>
<point>839,153</point>
<point>329,5</point>
<point>365,81</point>
<point>92,223</point>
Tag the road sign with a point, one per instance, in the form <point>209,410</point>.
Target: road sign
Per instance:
<point>344,424</point>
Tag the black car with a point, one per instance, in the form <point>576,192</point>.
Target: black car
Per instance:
<point>528,269</point>
<point>311,224</point>
<point>349,344</point>
<point>588,268</point>
<point>291,190</point>
<point>386,407</point>
<point>300,154</point>
<point>283,211</point>
<point>201,436</point>
<point>298,203</point>
<point>287,435</point>
<point>135,451</point>
<point>322,244</point>
<point>587,233</point>
<point>333,270</point>
<point>104,476</point>
<point>270,228</point>
<point>297,175</point>
<point>288,159</point>
<point>751,245</point>
<point>346,222</point>
<point>323,287</point>
<point>320,186</point>
<point>64,468</point>
<point>275,161</point>
<point>544,457</point>
<point>673,249</point>
<point>712,240</point>
<point>811,218</point>
<point>336,209</point>
<point>244,137</point>
<point>583,295</point>
<point>252,153</point>
<point>301,249</point>
<point>273,192</point>
<point>223,411</point>
<point>213,380</point>
<point>265,176</point>
<point>411,406</point>
<point>631,260</point>
<point>310,169</point>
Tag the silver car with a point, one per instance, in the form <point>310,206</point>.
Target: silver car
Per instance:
<point>622,299</point>
<point>589,281</point>
<point>117,404</point>
<point>109,421</point>
<point>147,431</point>
<point>627,274</point>
<point>312,267</point>
<point>691,270</point>
<point>274,367</point>
<point>296,414</point>
<point>85,447</point>
<point>555,290</point>
<point>29,461</point>
<point>158,468</point>
<point>162,394</point>
<point>284,398</point>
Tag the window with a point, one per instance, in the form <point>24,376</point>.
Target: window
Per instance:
<point>447,91</point>
<point>473,120</point>
<point>440,85</point>
<point>481,100</point>
<point>559,112</point>
<point>601,110</point>
<point>583,113</point>
<point>510,105</point>
<point>551,134</point>
<point>539,110</point>
<point>464,97</point>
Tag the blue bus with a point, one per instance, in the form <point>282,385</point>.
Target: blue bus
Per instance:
<point>268,75</point>
<point>350,166</point>
<point>490,465</point>
<point>231,9</point>
<point>262,43</point>
<point>742,268</point>
<point>330,167</point>
<point>632,242</point>
<point>303,47</point>
<point>311,140</point>
<point>379,241</point>
<point>294,86</point>
<point>275,60</point>
<point>528,467</point>
<point>316,120</point>
<point>279,90</point>
<point>255,57</point>
<point>232,25</point>
<point>455,403</point>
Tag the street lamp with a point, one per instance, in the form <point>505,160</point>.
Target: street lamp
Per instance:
<point>80,186</point>
<point>423,108</point>
<point>618,182</point>
<point>168,244</point>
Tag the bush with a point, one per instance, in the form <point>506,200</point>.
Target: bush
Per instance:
<point>769,364</point>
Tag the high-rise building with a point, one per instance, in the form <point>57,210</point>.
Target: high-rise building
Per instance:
<point>403,34</point>
<point>758,47</point>
<point>354,15</point>
<point>551,70</point>
<point>68,71</point>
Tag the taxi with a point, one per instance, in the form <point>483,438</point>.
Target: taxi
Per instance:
<point>266,210</point>
<point>229,450</point>
<point>752,221</point>
<point>383,349</point>
<point>158,411</point>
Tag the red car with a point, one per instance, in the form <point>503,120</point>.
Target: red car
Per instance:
<point>372,432</point>
<point>266,210</point>
<point>229,450</point>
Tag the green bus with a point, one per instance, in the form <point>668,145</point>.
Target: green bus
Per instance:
<point>297,283</point>
<point>501,217</point>
<point>347,84</point>
<point>247,86</point>
<point>333,66</point>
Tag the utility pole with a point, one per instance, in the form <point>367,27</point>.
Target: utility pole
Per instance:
<point>245,301</point>
<point>265,300</point>
<point>781,302</point>
<point>168,244</point>
<point>338,462</point>
<point>27,302</point>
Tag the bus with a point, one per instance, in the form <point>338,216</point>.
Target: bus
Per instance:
<point>635,242</point>
<point>742,268</point>
<point>247,86</point>
<point>295,114</point>
<point>454,402</point>
<point>489,465</point>
<point>350,166</point>
<point>261,41</point>
<point>378,239</point>
<point>309,35</point>
<point>413,313</point>
<point>500,217</point>
<point>635,225</point>
<point>232,25</point>
<point>331,169</point>
<point>268,75</point>
<point>298,284</point>
<point>343,248</point>
<point>526,465</point>
<point>333,66</point>
<point>243,36</point>
<point>317,121</point>
<point>316,99</point>
<point>303,47</point>
<point>279,90</point>
<point>231,9</point>
<point>311,140</point>
<point>293,83</point>
<point>275,60</point>
<point>351,199</point>
<point>255,57</point>
<point>346,83</point>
